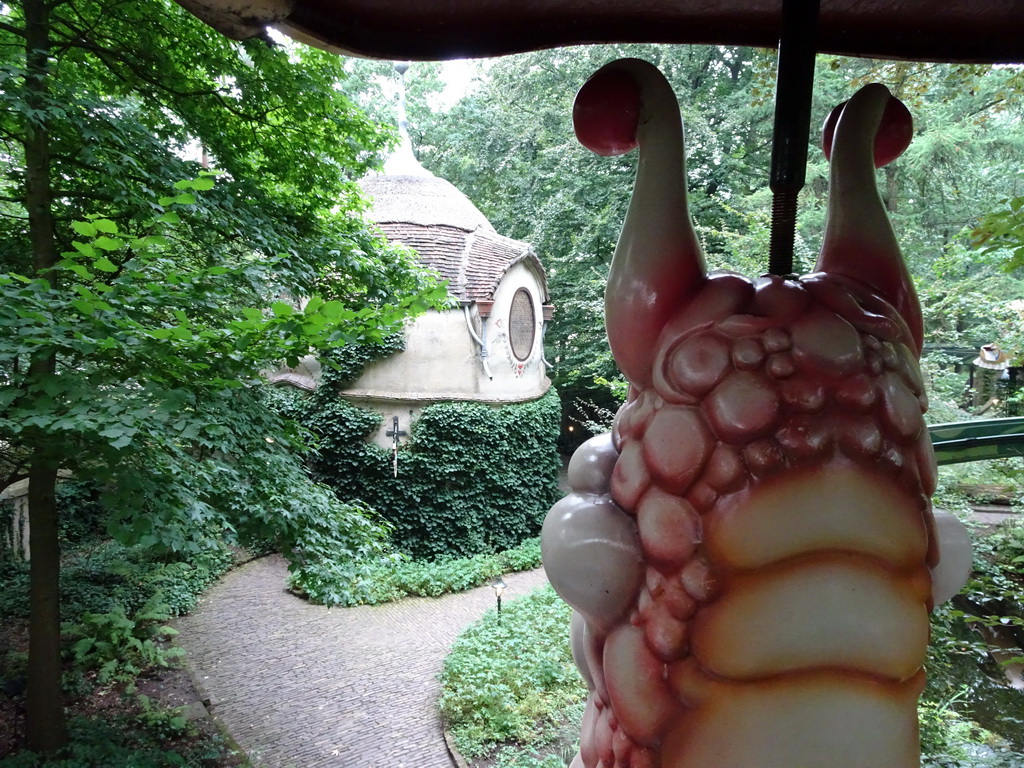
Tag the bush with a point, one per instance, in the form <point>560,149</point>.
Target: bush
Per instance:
<point>332,548</point>
<point>396,576</point>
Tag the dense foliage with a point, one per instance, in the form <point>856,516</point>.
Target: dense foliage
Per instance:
<point>398,576</point>
<point>154,739</point>
<point>117,601</point>
<point>140,299</point>
<point>472,478</point>
<point>104,576</point>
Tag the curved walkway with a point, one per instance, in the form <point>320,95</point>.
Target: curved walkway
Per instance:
<point>299,685</point>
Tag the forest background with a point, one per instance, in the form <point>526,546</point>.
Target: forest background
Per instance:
<point>136,280</point>
<point>508,145</point>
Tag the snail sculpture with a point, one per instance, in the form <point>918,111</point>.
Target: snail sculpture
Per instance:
<point>751,552</point>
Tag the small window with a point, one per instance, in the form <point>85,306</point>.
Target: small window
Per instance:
<point>522,325</point>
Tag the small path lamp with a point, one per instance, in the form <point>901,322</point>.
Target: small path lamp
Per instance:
<point>498,585</point>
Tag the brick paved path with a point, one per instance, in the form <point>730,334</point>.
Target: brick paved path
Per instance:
<point>299,685</point>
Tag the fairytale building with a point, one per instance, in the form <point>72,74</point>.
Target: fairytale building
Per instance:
<point>488,347</point>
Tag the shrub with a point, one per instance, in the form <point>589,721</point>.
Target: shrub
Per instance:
<point>394,577</point>
<point>332,549</point>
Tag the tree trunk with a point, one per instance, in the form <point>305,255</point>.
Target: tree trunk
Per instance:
<point>44,711</point>
<point>44,714</point>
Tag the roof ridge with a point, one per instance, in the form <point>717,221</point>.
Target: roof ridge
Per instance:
<point>462,279</point>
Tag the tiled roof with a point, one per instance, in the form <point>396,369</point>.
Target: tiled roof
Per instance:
<point>473,262</point>
<point>447,231</point>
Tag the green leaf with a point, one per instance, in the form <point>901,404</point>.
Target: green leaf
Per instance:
<point>332,310</point>
<point>109,243</point>
<point>103,264</point>
<point>86,249</point>
<point>171,217</point>
<point>202,184</point>
<point>105,225</point>
<point>185,198</point>
<point>282,309</point>
<point>84,306</point>
<point>79,270</point>
<point>84,228</point>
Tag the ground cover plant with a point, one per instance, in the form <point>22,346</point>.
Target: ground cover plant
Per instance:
<point>396,576</point>
<point>133,738</point>
<point>513,680</point>
<point>117,600</point>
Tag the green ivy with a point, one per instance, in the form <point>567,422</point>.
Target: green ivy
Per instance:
<point>347,363</point>
<point>471,479</point>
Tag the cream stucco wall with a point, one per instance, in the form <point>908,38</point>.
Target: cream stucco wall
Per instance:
<point>442,361</point>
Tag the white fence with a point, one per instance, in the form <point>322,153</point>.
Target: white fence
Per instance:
<point>14,536</point>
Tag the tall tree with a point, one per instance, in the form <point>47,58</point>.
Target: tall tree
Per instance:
<point>137,294</point>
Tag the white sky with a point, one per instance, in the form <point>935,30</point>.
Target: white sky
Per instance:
<point>457,75</point>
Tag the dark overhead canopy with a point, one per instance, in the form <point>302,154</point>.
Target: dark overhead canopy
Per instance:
<point>932,30</point>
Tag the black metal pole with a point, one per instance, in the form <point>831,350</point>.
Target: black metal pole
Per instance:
<point>793,91</point>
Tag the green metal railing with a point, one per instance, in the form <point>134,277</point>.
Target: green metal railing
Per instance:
<point>962,441</point>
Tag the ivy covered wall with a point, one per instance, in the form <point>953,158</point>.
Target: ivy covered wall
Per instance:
<point>471,478</point>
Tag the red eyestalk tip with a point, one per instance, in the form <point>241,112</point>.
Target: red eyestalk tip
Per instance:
<point>893,137</point>
<point>606,113</point>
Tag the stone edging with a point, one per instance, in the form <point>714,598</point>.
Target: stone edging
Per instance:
<point>457,758</point>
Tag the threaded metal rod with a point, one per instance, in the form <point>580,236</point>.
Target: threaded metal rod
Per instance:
<point>793,90</point>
